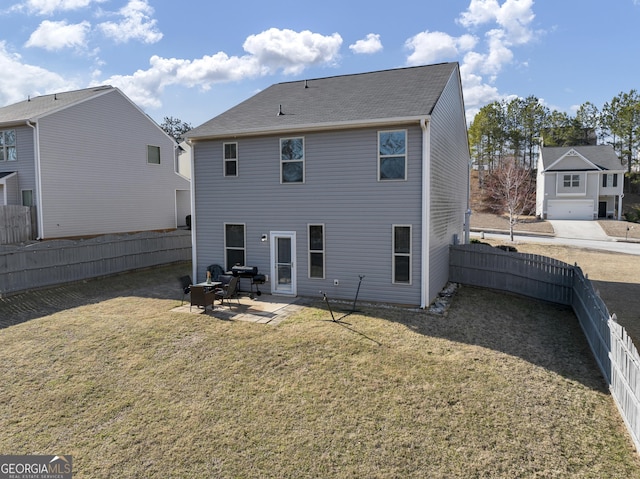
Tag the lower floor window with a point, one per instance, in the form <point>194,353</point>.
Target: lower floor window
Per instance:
<point>402,254</point>
<point>316,251</point>
<point>234,245</point>
<point>27,197</point>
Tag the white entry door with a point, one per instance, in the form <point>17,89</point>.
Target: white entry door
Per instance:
<point>283,267</point>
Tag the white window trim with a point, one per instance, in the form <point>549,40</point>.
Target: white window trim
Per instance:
<point>244,241</point>
<point>323,251</point>
<point>225,159</point>
<point>394,254</point>
<point>302,160</point>
<point>406,155</point>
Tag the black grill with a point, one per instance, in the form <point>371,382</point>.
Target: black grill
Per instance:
<point>250,272</point>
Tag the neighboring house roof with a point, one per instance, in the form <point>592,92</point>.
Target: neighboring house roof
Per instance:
<point>37,107</point>
<point>347,100</point>
<point>603,157</point>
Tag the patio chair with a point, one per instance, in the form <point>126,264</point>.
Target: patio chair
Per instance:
<point>185,283</point>
<point>202,297</point>
<point>229,291</point>
<point>215,270</point>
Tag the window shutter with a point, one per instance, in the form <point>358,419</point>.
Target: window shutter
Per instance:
<point>615,179</point>
<point>604,180</point>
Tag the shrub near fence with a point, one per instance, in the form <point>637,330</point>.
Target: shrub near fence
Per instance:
<point>55,262</point>
<point>552,280</point>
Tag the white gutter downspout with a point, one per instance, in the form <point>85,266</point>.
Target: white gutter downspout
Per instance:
<point>39,202</point>
<point>426,212</point>
<point>192,188</point>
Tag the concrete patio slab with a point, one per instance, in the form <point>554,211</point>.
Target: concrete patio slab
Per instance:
<point>263,309</point>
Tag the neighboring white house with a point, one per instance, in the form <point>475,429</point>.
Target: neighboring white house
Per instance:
<point>320,182</point>
<point>579,183</point>
<point>91,162</point>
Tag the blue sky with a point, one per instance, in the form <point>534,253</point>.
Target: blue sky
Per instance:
<point>193,59</point>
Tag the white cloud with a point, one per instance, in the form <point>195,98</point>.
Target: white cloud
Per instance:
<point>47,7</point>
<point>514,17</point>
<point>58,35</point>
<point>268,52</point>
<point>292,51</point>
<point>136,24</point>
<point>368,45</point>
<point>431,47</point>
<point>26,79</point>
<point>504,25</point>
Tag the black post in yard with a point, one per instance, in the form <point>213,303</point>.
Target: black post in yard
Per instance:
<point>353,309</point>
<point>324,295</point>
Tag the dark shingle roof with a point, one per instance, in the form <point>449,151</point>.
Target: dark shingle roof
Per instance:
<point>603,156</point>
<point>399,93</point>
<point>39,106</point>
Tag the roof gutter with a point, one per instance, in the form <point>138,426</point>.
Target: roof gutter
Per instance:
<point>306,128</point>
<point>425,124</point>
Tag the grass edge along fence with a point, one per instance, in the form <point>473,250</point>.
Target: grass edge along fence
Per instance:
<point>49,263</point>
<point>552,280</point>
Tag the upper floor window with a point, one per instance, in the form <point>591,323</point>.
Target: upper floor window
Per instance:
<point>153,154</point>
<point>230,159</point>
<point>609,179</point>
<point>402,254</point>
<point>234,245</point>
<point>571,181</point>
<point>316,251</point>
<point>8,145</point>
<point>292,160</point>
<point>392,155</point>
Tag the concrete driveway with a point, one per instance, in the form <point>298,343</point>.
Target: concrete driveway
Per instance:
<point>576,229</point>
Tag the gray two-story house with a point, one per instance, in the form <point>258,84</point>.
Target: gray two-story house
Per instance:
<point>320,182</point>
<point>579,183</point>
<point>90,162</point>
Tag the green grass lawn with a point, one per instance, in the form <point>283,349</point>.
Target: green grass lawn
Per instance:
<point>499,387</point>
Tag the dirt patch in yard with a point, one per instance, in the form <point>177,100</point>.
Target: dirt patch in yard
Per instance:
<point>491,222</point>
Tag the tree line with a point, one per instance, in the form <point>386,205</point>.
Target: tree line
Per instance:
<point>515,129</point>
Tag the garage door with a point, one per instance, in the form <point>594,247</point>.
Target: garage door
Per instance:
<point>570,209</point>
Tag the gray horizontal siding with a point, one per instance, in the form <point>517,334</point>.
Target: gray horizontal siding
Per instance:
<point>96,179</point>
<point>449,182</point>
<point>341,191</point>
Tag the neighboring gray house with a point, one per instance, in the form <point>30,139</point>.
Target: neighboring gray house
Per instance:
<point>317,182</point>
<point>91,163</point>
<point>579,183</point>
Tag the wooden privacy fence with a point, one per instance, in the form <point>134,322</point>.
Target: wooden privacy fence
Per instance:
<point>16,224</point>
<point>55,262</point>
<point>552,280</point>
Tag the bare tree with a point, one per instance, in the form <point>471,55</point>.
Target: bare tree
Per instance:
<point>511,190</point>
